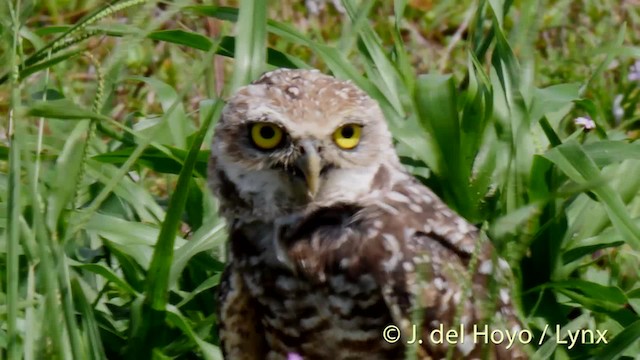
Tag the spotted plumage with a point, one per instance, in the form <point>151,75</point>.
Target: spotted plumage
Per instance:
<point>332,240</point>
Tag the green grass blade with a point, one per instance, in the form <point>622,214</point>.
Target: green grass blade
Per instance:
<point>608,152</point>
<point>181,37</point>
<point>576,253</point>
<point>157,160</point>
<point>209,351</point>
<point>437,107</point>
<point>387,72</point>
<point>574,161</point>
<point>607,60</point>
<point>175,121</point>
<point>60,109</point>
<point>403,61</point>
<point>14,201</point>
<point>154,307</point>
<point>93,341</point>
<point>250,51</point>
<point>335,60</point>
<point>106,273</point>
<point>13,211</point>
<point>616,346</point>
<point>78,349</point>
<point>546,351</point>
<point>30,70</point>
<point>65,179</point>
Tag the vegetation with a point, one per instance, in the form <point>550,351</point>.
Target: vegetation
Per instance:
<point>523,115</point>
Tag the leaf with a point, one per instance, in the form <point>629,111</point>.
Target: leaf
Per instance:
<point>577,165</point>
<point>48,95</point>
<point>503,59</point>
<point>92,333</point>
<point>436,105</point>
<point>634,294</point>
<point>577,253</point>
<point>61,109</point>
<point>608,152</point>
<point>175,118</point>
<point>250,52</point>
<point>552,99</point>
<point>147,325</point>
<point>48,30</point>
<point>65,176</point>
<point>609,300</point>
<point>611,54</point>
<point>547,350</point>
<point>157,160</point>
<point>335,60</point>
<point>209,351</point>
<point>108,274</point>
<point>622,341</point>
<point>181,37</point>
<point>384,67</point>
<point>274,57</point>
<point>119,233</point>
<point>206,285</point>
<point>25,72</point>
<point>513,222</point>
<point>159,269</point>
<point>194,206</point>
<point>206,238</point>
<point>145,207</point>
<point>435,99</point>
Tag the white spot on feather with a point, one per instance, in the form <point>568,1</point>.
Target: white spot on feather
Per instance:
<point>503,264</point>
<point>415,208</point>
<point>457,296</point>
<point>427,199</point>
<point>462,225</point>
<point>391,244</point>
<point>342,94</point>
<point>407,266</point>
<point>467,345</point>
<point>396,196</point>
<point>485,267</point>
<point>504,295</point>
<point>293,90</point>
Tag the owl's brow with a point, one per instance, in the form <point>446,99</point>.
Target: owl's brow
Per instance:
<point>350,119</point>
<point>264,118</point>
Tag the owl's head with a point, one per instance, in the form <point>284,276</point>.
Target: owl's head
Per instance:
<point>294,139</point>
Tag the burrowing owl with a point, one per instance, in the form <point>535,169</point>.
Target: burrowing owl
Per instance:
<point>332,240</point>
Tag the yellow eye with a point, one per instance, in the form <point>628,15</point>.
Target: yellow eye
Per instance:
<point>347,136</point>
<point>266,136</point>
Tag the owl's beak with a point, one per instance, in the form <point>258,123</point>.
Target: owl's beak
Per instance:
<point>310,165</point>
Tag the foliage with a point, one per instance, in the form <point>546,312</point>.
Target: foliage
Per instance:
<point>110,238</point>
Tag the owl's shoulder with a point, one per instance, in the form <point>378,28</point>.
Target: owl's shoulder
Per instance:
<point>381,232</point>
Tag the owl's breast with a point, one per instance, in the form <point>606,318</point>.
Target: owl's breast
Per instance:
<point>341,318</point>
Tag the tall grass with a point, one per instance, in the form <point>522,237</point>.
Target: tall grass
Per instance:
<point>111,245</point>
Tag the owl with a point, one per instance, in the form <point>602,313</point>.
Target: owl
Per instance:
<point>335,250</point>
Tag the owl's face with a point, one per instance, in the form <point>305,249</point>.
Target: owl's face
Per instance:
<point>293,139</point>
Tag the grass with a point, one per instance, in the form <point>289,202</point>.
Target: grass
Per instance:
<point>110,237</point>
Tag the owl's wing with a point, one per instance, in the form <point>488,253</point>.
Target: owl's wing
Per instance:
<point>239,329</point>
<point>439,288</point>
<point>446,277</point>
<point>427,261</point>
